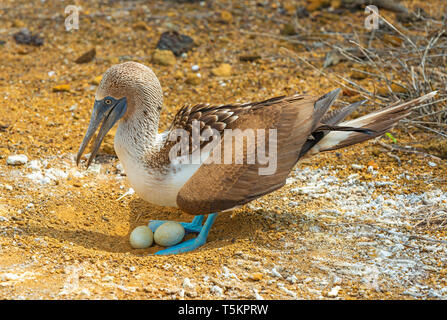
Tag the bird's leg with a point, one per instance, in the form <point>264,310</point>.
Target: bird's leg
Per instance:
<point>192,244</point>
<point>194,226</point>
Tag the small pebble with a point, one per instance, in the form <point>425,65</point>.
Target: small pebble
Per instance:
<point>257,295</point>
<point>334,292</point>
<point>431,164</point>
<point>292,279</point>
<point>85,292</point>
<point>224,70</point>
<point>61,88</point>
<point>163,57</point>
<point>34,165</point>
<point>275,273</point>
<point>38,177</point>
<point>87,56</point>
<point>384,254</point>
<point>216,290</point>
<point>256,276</point>
<point>8,277</point>
<point>195,68</point>
<point>73,107</point>
<point>54,174</point>
<point>94,168</point>
<point>175,42</point>
<point>357,166</point>
<point>24,36</point>
<point>193,78</point>
<point>141,237</point>
<point>169,233</point>
<point>17,160</point>
<point>187,284</point>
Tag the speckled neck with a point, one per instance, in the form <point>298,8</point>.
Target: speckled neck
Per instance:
<point>138,132</point>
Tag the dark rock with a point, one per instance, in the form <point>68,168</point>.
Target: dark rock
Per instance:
<point>24,36</point>
<point>301,12</point>
<point>2,42</point>
<point>175,42</point>
<point>3,127</point>
<point>288,30</point>
<point>87,56</point>
<point>249,58</point>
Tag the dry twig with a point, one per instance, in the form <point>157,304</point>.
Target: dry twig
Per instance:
<point>405,150</point>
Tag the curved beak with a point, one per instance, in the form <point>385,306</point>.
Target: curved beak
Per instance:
<point>109,115</point>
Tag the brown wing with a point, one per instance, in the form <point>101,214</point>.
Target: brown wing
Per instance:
<point>218,187</point>
<point>203,117</point>
<point>207,117</point>
<point>212,117</point>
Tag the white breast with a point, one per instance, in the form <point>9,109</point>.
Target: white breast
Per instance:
<point>151,185</point>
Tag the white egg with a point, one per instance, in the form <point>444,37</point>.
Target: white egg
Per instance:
<point>141,237</point>
<point>169,233</point>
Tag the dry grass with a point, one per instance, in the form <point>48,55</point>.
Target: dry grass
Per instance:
<point>434,218</point>
<point>404,58</point>
<point>419,61</point>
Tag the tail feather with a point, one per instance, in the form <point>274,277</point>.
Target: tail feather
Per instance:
<point>326,127</point>
<point>329,120</point>
<point>336,116</point>
<point>377,123</point>
<point>323,104</point>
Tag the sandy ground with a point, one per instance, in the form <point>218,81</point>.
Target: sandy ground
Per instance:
<point>348,224</point>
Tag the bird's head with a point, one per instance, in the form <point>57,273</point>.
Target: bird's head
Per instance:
<point>124,89</point>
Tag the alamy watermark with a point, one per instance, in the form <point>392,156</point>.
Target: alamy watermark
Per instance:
<point>72,21</point>
<point>372,20</point>
<point>260,147</point>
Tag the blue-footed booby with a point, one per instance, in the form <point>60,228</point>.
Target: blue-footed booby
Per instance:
<point>293,127</point>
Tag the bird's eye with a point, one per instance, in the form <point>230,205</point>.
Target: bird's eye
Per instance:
<point>108,101</point>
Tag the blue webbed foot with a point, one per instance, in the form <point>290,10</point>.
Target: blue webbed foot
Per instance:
<point>190,227</point>
<point>192,244</point>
